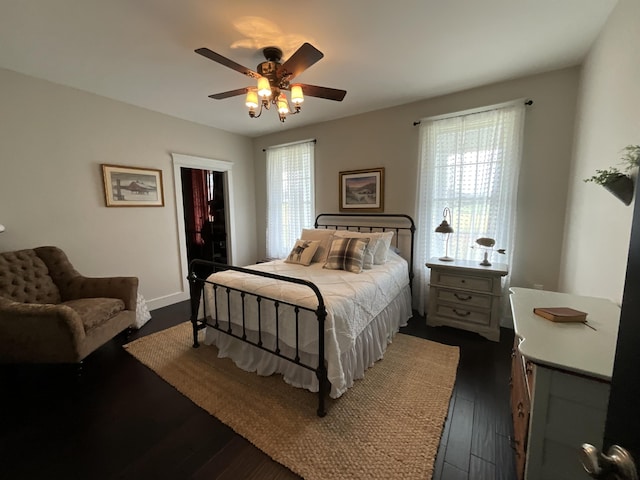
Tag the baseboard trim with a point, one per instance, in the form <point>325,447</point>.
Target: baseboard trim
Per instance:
<point>155,303</point>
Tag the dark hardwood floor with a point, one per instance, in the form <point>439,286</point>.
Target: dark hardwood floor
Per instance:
<point>119,420</point>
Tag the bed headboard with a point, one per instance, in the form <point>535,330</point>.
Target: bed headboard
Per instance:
<point>403,226</point>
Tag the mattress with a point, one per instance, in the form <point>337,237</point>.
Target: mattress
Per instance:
<point>364,311</point>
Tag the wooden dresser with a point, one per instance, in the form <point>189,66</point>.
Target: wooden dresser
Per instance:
<point>560,378</point>
<point>463,294</point>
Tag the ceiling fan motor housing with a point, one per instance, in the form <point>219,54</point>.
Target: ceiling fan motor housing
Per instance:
<point>271,68</point>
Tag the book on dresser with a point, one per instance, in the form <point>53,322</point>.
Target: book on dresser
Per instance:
<point>561,314</point>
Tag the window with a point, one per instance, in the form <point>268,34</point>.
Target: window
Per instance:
<point>290,195</point>
<point>469,162</point>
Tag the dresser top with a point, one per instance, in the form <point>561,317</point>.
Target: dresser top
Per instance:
<point>574,347</point>
<point>472,266</point>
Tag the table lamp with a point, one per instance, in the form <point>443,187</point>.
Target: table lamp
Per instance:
<point>446,229</point>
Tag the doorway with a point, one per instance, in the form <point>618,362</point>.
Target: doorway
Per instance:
<point>204,205</point>
<point>222,172</point>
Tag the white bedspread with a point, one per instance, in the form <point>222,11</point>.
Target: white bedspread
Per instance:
<point>352,302</point>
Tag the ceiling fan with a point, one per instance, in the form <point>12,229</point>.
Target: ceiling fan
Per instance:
<point>274,78</point>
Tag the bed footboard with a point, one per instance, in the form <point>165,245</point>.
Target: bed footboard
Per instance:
<point>219,317</point>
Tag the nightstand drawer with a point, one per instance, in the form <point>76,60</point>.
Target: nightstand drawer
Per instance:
<point>463,314</point>
<point>464,298</point>
<point>467,282</point>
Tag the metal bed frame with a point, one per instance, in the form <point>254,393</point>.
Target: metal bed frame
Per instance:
<point>396,222</point>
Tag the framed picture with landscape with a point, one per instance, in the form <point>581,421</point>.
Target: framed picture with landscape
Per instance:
<point>362,190</point>
<point>132,186</point>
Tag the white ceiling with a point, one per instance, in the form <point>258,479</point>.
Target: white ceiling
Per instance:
<point>384,53</point>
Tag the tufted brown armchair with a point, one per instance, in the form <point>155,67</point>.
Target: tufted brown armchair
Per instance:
<point>49,313</point>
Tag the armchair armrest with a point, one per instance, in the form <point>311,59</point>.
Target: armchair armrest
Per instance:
<point>124,288</point>
<point>39,332</point>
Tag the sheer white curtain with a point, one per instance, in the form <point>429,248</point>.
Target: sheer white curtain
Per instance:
<point>290,195</point>
<point>469,162</point>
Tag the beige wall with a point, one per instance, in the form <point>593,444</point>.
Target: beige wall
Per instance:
<point>387,138</point>
<point>52,142</point>
<point>598,225</point>
<point>53,139</point>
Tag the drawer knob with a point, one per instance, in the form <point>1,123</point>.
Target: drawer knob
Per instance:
<point>461,314</point>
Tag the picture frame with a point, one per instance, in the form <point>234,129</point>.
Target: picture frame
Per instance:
<point>132,186</point>
<point>362,190</point>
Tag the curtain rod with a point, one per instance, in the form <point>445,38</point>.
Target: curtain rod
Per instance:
<point>291,143</point>
<point>479,110</point>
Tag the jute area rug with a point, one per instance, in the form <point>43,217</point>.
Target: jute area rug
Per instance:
<point>388,425</point>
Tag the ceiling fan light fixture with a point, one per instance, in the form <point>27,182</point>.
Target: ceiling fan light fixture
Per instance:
<point>296,94</point>
<point>264,87</point>
<point>252,99</point>
<point>283,106</point>
<point>273,78</point>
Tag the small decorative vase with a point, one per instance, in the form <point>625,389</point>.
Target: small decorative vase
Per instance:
<point>622,188</point>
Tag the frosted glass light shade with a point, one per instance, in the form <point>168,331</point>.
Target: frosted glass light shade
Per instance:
<point>296,94</point>
<point>264,87</point>
<point>283,105</point>
<point>252,99</point>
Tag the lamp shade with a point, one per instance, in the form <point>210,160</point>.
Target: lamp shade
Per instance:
<point>1,228</point>
<point>264,87</point>
<point>296,94</point>
<point>444,227</point>
<point>252,99</point>
<point>283,105</point>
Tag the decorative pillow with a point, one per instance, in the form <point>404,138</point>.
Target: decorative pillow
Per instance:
<point>371,246</point>
<point>380,255</point>
<point>325,236</point>
<point>346,254</point>
<point>379,244</point>
<point>303,252</point>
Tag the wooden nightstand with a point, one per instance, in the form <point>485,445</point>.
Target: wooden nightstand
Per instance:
<point>463,294</point>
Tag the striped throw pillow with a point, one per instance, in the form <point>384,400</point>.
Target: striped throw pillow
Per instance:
<point>347,254</point>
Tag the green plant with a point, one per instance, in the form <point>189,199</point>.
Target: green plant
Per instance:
<point>629,160</point>
<point>631,156</point>
<point>603,177</point>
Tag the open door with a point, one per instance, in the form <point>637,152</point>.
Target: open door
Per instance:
<point>204,205</point>
<point>225,171</point>
<point>621,443</point>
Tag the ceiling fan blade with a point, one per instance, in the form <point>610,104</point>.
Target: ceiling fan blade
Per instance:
<point>230,93</point>
<point>302,59</point>
<point>323,92</point>
<point>216,57</point>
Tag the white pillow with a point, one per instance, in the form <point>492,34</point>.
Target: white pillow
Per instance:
<point>380,255</point>
<point>324,236</point>
<point>302,252</point>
